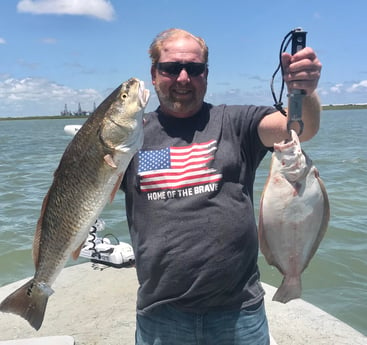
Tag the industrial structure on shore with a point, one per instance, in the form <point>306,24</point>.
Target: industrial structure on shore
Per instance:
<point>79,112</point>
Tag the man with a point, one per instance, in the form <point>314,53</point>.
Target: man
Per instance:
<point>189,200</point>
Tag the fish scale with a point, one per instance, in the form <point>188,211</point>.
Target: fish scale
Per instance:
<point>89,174</point>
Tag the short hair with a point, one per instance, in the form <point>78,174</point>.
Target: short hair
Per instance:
<point>170,34</point>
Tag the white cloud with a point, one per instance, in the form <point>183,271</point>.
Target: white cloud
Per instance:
<point>337,88</point>
<point>361,86</point>
<point>2,41</point>
<point>344,92</point>
<point>344,88</point>
<point>101,9</point>
<point>40,97</point>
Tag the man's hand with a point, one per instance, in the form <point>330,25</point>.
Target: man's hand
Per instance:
<point>302,70</point>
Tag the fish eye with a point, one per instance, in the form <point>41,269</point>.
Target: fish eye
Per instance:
<point>124,95</point>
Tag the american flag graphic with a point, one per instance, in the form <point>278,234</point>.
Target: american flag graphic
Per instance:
<point>177,167</point>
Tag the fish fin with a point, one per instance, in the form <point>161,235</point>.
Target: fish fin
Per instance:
<point>116,187</point>
<point>75,254</point>
<point>36,243</point>
<point>264,247</point>
<point>325,219</point>
<point>38,233</point>
<point>326,216</point>
<point>109,160</point>
<point>290,288</point>
<point>29,302</point>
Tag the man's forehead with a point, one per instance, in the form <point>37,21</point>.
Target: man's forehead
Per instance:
<point>182,47</point>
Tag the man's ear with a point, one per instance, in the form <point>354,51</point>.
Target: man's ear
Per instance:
<point>153,71</point>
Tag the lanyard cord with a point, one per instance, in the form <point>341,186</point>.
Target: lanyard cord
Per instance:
<point>283,47</point>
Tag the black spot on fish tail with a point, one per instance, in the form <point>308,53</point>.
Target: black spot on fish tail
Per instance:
<point>29,302</point>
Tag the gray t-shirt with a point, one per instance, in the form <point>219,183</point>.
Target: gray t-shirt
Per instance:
<point>189,207</point>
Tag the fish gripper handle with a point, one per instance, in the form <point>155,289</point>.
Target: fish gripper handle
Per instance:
<point>295,109</point>
<point>296,96</point>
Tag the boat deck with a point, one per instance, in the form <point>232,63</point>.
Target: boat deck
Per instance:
<point>97,307</point>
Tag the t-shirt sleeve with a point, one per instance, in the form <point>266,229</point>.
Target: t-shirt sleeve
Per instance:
<point>246,120</point>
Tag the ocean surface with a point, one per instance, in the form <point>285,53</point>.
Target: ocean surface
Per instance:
<point>336,279</point>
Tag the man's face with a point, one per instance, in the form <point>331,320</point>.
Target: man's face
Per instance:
<point>180,95</point>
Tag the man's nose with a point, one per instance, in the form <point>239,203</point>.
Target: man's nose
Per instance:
<point>183,77</point>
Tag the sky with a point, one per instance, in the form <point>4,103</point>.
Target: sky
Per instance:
<point>57,52</point>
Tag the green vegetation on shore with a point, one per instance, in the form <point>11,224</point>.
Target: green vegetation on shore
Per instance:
<point>344,106</point>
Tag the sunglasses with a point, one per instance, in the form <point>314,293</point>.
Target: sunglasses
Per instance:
<point>193,69</point>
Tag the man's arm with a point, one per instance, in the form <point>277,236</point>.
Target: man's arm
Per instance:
<point>301,71</point>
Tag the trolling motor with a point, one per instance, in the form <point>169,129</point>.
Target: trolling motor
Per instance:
<point>100,250</point>
<point>298,39</point>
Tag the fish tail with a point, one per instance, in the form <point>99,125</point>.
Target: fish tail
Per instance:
<point>29,302</point>
<point>290,288</point>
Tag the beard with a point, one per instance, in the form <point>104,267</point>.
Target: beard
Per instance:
<point>189,105</point>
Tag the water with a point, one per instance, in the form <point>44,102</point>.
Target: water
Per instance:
<point>336,279</point>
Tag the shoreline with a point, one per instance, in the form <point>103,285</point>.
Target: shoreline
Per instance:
<point>59,117</point>
<point>97,307</point>
<point>51,117</point>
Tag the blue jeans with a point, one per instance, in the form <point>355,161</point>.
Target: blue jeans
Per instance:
<point>166,325</point>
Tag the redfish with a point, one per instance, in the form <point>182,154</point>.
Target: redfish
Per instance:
<point>88,175</point>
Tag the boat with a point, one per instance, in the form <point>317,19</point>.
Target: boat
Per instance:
<point>72,129</point>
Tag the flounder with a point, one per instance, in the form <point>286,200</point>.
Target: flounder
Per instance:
<point>294,215</point>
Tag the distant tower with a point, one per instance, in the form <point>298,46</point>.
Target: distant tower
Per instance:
<point>79,109</point>
<point>65,112</point>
